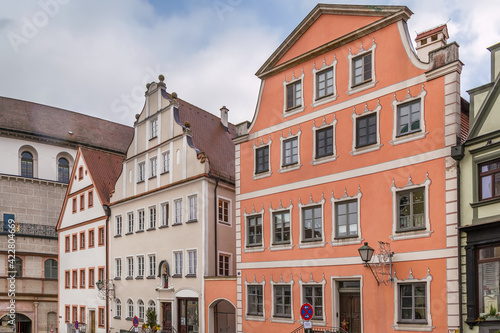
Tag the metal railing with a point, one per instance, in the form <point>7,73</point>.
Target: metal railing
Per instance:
<point>317,329</point>
<point>30,229</point>
<point>149,330</point>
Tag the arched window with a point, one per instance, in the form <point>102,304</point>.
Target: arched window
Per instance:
<point>63,170</point>
<point>151,305</point>
<point>26,164</point>
<point>118,309</point>
<point>130,308</point>
<point>50,269</point>
<point>140,309</point>
<point>18,267</point>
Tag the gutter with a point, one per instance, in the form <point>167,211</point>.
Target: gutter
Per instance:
<point>215,220</point>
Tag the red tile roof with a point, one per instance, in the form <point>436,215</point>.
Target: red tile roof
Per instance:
<point>54,123</point>
<point>104,168</point>
<point>431,32</point>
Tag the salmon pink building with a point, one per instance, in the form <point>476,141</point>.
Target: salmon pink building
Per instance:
<point>351,145</point>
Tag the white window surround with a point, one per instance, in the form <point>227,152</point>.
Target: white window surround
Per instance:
<point>141,225</point>
<point>141,263</point>
<point>411,136</point>
<point>177,271</point>
<point>118,267</point>
<point>164,214</point>
<point>177,205</point>
<point>255,147</point>
<point>130,308</point>
<point>255,283</point>
<point>151,268</point>
<point>166,161</point>
<point>192,207</point>
<point>141,171</point>
<point>410,326</point>
<point>130,222</point>
<point>187,266</point>
<point>153,167</point>
<point>118,308</point>
<point>230,203</point>
<point>118,225</point>
<point>357,88</point>
<point>34,153</point>
<point>285,84</point>
<point>326,99</point>
<point>141,312</point>
<point>311,282</point>
<point>371,147</point>
<point>295,166</point>
<point>152,218</point>
<point>153,128</point>
<point>281,282</point>
<point>301,206</point>
<point>350,240</point>
<point>277,247</point>
<point>395,217</point>
<point>260,248</point>
<point>329,158</point>
<point>130,267</point>
<point>230,255</point>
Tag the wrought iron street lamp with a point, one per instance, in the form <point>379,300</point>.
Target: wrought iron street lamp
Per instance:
<point>381,270</point>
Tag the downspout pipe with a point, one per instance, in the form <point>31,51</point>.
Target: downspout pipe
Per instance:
<point>107,211</point>
<point>215,221</point>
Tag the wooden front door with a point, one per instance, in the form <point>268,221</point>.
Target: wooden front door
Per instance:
<point>166,310</point>
<point>350,312</point>
<point>91,321</point>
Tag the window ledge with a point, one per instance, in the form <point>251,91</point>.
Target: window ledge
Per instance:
<point>291,112</point>
<point>116,236</point>
<point>413,327</point>
<point>118,278</point>
<point>163,226</point>
<point>365,149</point>
<point>153,137</point>
<point>361,86</point>
<point>324,159</point>
<point>280,247</point>
<point>324,100</point>
<point>227,224</point>
<point>283,320</point>
<point>176,224</point>
<point>254,249</point>
<point>138,231</point>
<point>177,276</point>
<point>140,277</point>
<point>408,138</point>
<point>313,244</point>
<point>128,233</point>
<point>140,181</point>
<point>290,167</point>
<point>261,175</point>
<point>117,317</point>
<point>129,278</point>
<point>152,228</point>
<point>255,318</point>
<point>346,241</point>
<point>190,275</point>
<point>484,202</point>
<point>192,221</point>
<point>150,277</point>
<point>411,234</point>
<point>152,177</point>
<point>164,172</point>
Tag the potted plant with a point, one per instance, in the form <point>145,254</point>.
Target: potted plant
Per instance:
<point>151,320</point>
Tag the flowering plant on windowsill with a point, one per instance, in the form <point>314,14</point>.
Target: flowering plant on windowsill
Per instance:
<point>493,315</point>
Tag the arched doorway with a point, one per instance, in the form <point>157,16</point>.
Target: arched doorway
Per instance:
<point>23,323</point>
<point>224,318</point>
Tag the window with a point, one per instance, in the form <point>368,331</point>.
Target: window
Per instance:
<point>118,268</point>
<point>412,303</point>
<point>75,313</point>
<point>130,267</point>
<point>67,277</point>
<point>362,68</point>
<point>82,314</point>
<point>100,240</point>
<point>82,240</point>
<point>50,269</point>
<point>91,198</point>
<point>366,130</point>
<point>82,202</point>
<point>281,227</point>
<point>262,159</point>
<point>154,128</point>
<point>164,214</point>
<point>100,272</point>
<point>18,266</point>
<point>409,117</point>
<point>254,229</point>
<point>489,180</point>
<point>312,220</point>
<point>142,172</point>
<point>151,305</point>
<point>193,207</point>
<point>63,170</point>
<point>118,308</point>
<point>91,238</point>
<point>100,319</point>
<point>192,262</point>
<point>324,83</point>
<point>26,164</point>
<point>74,205</point>
<point>411,209</point>
<point>255,305</point>
<point>67,245</point>
<point>290,151</point>
<point>80,173</point>
<point>152,217</point>
<point>82,278</point>
<point>152,171</point>
<point>178,263</point>
<point>166,161</point>
<point>130,309</point>
<point>91,277</point>
<point>75,279</point>
<point>140,309</point>
<point>346,218</point>
<point>324,142</point>
<point>224,261</point>
<point>140,266</point>
<point>282,301</point>
<point>178,211</point>
<point>488,274</point>
<point>66,313</point>
<point>294,95</point>
<point>224,211</point>
<point>140,220</point>
<point>313,294</point>
<point>75,242</point>
<point>130,223</point>
<point>118,225</point>
<point>152,265</point>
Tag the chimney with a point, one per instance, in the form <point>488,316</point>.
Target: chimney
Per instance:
<point>431,40</point>
<point>223,116</point>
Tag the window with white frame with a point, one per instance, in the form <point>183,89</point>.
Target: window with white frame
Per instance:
<point>313,294</point>
<point>224,264</point>
<point>130,309</point>
<point>118,268</point>
<point>312,223</point>
<point>409,117</point>
<point>346,218</point>
<point>362,68</point>
<point>178,263</point>
<point>224,211</point>
<point>152,217</point>
<point>141,175</point>
<point>130,222</point>
<point>140,220</point>
<point>294,95</point>
<point>254,230</point>
<point>324,142</point>
<point>118,308</point>
<point>166,161</point>
<point>140,266</point>
<point>140,309</point>
<point>154,128</point>
<point>118,225</point>
<point>255,302</point>
<point>193,207</point>
<point>130,267</point>
<point>281,227</point>
<point>262,159</point>
<point>290,151</point>
<point>178,211</point>
<point>192,262</point>
<point>366,130</point>
<point>151,265</point>
<point>412,303</point>
<point>282,300</point>
<point>164,214</point>
<point>324,83</point>
<point>151,305</point>
<point>152,165</point>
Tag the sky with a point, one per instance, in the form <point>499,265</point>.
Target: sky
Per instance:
<point>95,57</point>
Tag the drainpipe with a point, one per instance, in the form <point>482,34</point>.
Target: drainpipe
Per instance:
<point>215,220</point>
<point>107,211</point>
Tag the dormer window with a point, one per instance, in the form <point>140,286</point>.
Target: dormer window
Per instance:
<point>362,68</point>
<point>294,95</point>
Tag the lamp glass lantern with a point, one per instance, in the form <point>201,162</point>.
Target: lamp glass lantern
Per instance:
<point>366,253</point>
